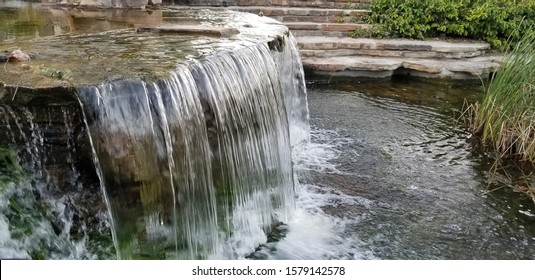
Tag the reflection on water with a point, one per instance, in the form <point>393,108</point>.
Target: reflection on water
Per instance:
<point>23,20</point>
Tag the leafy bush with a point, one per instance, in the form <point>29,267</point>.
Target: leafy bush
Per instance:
<point>495,21</point>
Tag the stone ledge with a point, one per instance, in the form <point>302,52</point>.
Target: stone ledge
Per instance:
<point>389,53</point>
<point>327,43</point>
<point>191,30</point>
<point>331,34</point>
<point>340,4</point>
<point>284,11</point>
<point>381,67</point>
<point>341,27</point>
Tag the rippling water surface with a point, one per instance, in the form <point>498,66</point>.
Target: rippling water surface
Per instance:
<point>391,174</point>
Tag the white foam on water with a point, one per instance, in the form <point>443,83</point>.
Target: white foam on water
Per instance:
<point>36,233</point>
<point>9,249</point>
<point>313,233</point>
<point>318,155</point>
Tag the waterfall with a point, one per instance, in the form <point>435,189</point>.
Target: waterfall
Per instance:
<point>198,164</point>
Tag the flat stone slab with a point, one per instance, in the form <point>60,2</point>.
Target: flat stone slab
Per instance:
<point>79,59</point>
<point>191,30</point>
<point>344,27</point>
<point>368,66</point>
<point>391,53</point>
<point>332,34</point>
<point>402,46</point>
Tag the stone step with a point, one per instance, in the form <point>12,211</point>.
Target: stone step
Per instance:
<point>336,4</point>
<point>337,27</point>
<point>333,4</point>
<point>319,19</point>
<point>386,53</point>
<point>382,67</point>
<point>294,11</point>
<point>326,47</point>
<point>332,34</point>
<point>292,14</point>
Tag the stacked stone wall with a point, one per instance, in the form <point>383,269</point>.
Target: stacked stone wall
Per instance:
<point>133,4</point>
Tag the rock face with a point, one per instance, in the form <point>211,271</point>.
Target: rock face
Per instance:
<point>51,119</point>
<point>207,2</point>
<point>45,129</point>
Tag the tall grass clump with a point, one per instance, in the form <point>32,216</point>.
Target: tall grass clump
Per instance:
<point>505,119</point>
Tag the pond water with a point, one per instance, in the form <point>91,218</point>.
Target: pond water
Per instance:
<point>391,174</point>
<point>21,19</point>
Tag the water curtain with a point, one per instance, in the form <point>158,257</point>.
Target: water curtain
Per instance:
<point>198,164</point>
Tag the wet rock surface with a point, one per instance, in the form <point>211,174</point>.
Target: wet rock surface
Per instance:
<point>42,120</point>
<point>175,37</point>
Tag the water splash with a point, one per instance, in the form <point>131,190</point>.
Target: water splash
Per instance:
<point>37,220</point>
<point>313,233</point>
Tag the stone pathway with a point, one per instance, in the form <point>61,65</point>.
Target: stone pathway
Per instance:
<point>322,28</point>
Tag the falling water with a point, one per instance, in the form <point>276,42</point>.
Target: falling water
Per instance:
<point>199,165</point>
<point>292,78</point>
<point>39,212</point>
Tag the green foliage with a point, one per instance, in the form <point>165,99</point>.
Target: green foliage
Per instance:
<point>24,213</point>
<point>10,170</point>
<point>373,32</point>
<point>356,6</point>
<point>505,120</point>
<point>360,18</point>
<point>495,21</point>
<point>55,73</point>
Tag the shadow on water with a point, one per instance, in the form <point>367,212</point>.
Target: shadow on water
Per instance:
<point>428,186</point>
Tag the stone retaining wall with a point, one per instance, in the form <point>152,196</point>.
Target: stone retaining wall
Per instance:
<point>143,3</point>
<point>260,2</point>
<point>132,4</point>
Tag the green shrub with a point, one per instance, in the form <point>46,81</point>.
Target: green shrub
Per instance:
<point>495,21</point>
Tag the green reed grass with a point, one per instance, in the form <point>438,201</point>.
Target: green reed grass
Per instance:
<point>505,120</point>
